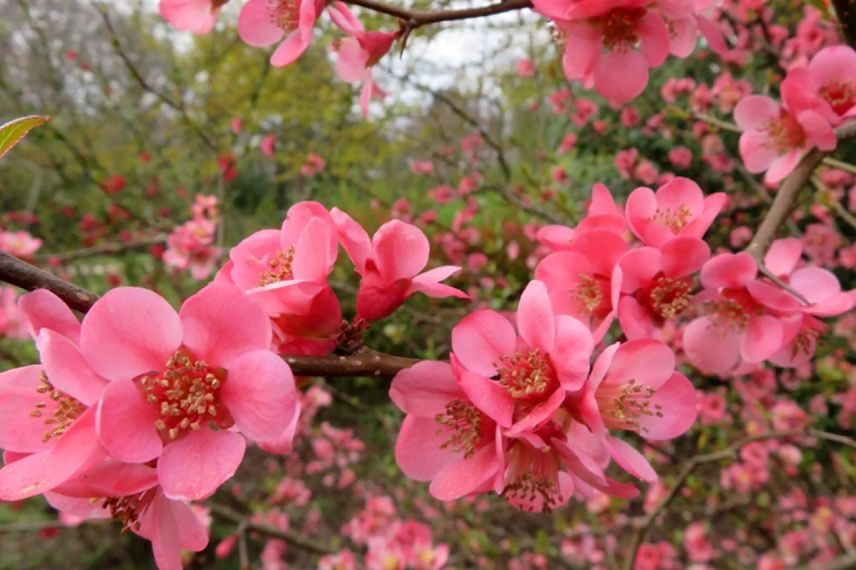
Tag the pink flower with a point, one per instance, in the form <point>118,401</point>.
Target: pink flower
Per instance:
<point>678,208</point>
<point>827,85</point>
<point>818,286</point>
<point>359,52</point>
<point>265,22</point>
<point>20,244</point>
<point>286,272</point>
<point>189,246</point>
<point>172,376</point>
<point>131,495</point>
<point>546,356</point>
<point>47,412</point>
<point>389,265</point>
<point>601,40</point>
<point>634,387</point>
<point>657,285</point>
<point>735,324</point>
<point>197,16</point>
<point>583,280</point>
<point>268,145</point>
<point>525,67</point>
<point>681,157</point>
<point>444,439</point>
<point>313,165</point>
<point>775,138</point>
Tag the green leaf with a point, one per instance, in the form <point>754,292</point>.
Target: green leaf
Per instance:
<point>12,132</point>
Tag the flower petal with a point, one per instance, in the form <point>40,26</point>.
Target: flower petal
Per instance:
<point>481,339</point>
<point>126,423</point>
<point>128,332</point>
<point>260,395</point>
<point>191,468</point>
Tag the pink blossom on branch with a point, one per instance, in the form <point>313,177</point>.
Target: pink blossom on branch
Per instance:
<point>265,22</point>
<point>827,85</point>
<point>197,16</point>
<point>173,377</point>
<point>775,138</point>
<point>389,265</point>
<point>286,271</point>
<point>359,52</point>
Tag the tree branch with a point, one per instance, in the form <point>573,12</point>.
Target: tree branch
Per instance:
<point>788,194</point>
<point>364,362</point>
<point>846,12</point>
<point>103,249</point>
<point>417,18</point>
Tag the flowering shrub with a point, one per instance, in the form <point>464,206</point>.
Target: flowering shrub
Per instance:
<point>581,341</point>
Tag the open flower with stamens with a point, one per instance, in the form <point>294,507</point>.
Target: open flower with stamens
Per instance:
<point>197,16</point>
<point>47,413</point>
<point>657,284</point>
<point>389,265</point>
<point>584,281</point>
<point>609,43</point>
<point>265,22</point>
<point>180,381</point>
<point>634,387</point>
<point>827,85</point>
<point>819,287</point>
<point>130,494</point>
<point>677,208</point>
<point>286,271</point>
<point>775,138</point>
<point>445,438</point>
<point>520,377</point>
<point>736,323</point>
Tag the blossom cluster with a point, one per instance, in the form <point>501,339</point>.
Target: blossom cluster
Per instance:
<point>521,409</point>
<point>190,245</point>
<point>815,99</point>
<point>612,44</point>
<point>137,410</point>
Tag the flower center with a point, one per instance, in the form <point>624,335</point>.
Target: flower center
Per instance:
<point>669,297</point>
<point>591,294</point>
<point>528,376</point>
<point>675,220</point>
<point>279,268</point>
<point>284,14</point>
<point>186,393</point>
<point>623,405</point>
<point>784,134</point>
<point>128,509</point>
<point>533,478</point>
<point>840,94</point>
<point>67,410</point>
<point>620,28</point>
<point>731,311</point>
<point>464,420</point>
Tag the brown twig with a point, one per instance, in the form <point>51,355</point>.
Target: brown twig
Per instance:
<point>417,18</point>
<point>103,249</point>
<point>364,362</point>
<point>29,277</point>
<point>788,194</point>
<point>228,514</point>
<point>845,10</point>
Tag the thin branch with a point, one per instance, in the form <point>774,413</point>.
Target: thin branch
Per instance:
<point>103,249</point>
<point>788,194</point>
<point>146,86</point>
<point>417,18</point>
<point>26,276</point>
<point>364,362</point>
<point>228,514</point>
